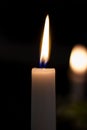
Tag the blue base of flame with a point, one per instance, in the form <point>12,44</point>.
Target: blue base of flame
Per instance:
<point>42,65</point>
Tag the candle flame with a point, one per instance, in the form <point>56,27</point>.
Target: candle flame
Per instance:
<point>78,59</point>
<point>45,42</point>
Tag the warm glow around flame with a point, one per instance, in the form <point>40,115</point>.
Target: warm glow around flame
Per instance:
<point>44,56</point>
<point>78,59</point>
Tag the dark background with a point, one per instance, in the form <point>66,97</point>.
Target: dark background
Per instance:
<point>21,27</point>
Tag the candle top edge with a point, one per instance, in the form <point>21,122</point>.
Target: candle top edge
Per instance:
<point>43,69</point>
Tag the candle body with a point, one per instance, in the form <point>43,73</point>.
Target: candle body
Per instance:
<point>77,94</point>
<point>43,101</point>
<point>77,82</point>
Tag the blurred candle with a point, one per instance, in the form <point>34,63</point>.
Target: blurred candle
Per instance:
<point>77,73</point>
<point>43,105</point>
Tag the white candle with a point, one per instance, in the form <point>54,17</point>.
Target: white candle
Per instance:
<point>43,103</point>
<point>78,67</point>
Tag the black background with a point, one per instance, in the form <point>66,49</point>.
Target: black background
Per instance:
<point>21,27</point>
